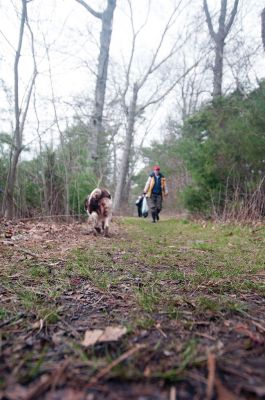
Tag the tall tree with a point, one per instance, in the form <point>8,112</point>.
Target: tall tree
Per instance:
<point>218,37</point>
<point>106,18</point>
<point>20,113</point>
<point>135,107</point>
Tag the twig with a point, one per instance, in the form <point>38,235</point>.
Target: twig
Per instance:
<point>211,363</point>
<point>251,317</point>
<point>47,381</point>
<point>27,252</point>
<point>173,393</point>
<point>113,364</point>
<point>72,330</point>
<point>259,326</point>
<point>12,319</point>
<point>205,335</point>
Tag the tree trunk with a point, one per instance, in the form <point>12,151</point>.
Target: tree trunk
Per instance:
<point>127,150</point>
<point>103,61</point>
<point>219,41</point>
<point>8,202</point>
<point>263,27</point>
<point>218,69</point>
<point>98,137</point>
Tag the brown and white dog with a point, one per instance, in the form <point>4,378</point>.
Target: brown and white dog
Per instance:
<point>98,206</point>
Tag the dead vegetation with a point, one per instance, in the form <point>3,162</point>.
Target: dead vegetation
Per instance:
<point>172,311</point>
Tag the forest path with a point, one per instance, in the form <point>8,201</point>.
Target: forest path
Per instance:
<point>185,299</point>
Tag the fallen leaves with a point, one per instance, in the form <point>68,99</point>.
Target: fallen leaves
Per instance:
<point>254,336</point>
<point>109,334</point>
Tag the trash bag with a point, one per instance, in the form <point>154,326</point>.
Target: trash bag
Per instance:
<point>138,204</point>
<point>144,208</point>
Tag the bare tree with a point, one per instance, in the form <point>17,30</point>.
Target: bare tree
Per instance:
<point>106,18</point>
<point>20,114</point>
<point>218,38</point>
<point>134,110</point>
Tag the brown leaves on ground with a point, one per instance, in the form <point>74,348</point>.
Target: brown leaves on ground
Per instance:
<point>109,334</point>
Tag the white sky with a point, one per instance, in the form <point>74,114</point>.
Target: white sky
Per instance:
<point>73,34</point>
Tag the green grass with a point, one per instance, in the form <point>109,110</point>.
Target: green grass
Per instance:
<point>3,313</point>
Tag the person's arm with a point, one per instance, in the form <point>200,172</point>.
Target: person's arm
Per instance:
<point>147,185</point>
<point>166,188</point>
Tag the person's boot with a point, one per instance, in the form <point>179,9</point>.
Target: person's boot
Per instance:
<point>157,215</point>
<point>154,216</point>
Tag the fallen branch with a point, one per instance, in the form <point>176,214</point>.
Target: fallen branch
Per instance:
<point>211,363</point>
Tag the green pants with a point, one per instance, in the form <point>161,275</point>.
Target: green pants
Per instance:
<point>155,203</point>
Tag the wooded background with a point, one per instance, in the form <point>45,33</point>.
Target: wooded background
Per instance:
<point>93,93</point>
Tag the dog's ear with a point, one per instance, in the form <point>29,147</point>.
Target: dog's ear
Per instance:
<point>105,193</point>
<point>93,205</point>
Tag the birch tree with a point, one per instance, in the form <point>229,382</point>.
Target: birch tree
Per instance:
<point>219,36</point>
<point>20,113</point>
<point>106,18</point>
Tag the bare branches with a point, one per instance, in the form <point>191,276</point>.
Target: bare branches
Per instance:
<point>90,9</point>
<point>17,58</point>
<point>219,40</point>
<point>134,38</point>
<point>232,17</point>
<point>153,66</point>
<point>154,100</point>
<point>34,75</point>
<point>8,203</point>
<point>223,28</point>
<point>209,20</point>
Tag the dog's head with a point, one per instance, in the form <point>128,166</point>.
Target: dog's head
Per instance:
<point>93,201</point>
<point>86,205</point>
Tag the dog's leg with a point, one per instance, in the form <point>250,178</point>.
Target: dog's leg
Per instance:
<point>106,229</point>
<point>93,220</point>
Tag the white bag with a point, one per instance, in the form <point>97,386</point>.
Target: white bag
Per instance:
<point>144,208</point>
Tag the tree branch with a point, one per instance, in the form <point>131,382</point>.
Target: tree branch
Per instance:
<point>232,17</point>
<point>135,34</point>
<point>152,68</point>
<point>90,9</point>
<point>34,75</point>
<point>153,100</point>
<point>209,20</point>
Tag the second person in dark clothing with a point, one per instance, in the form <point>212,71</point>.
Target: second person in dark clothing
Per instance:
<point>155,189</point>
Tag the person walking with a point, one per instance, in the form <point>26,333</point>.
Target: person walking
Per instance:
<point>155,190</point>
